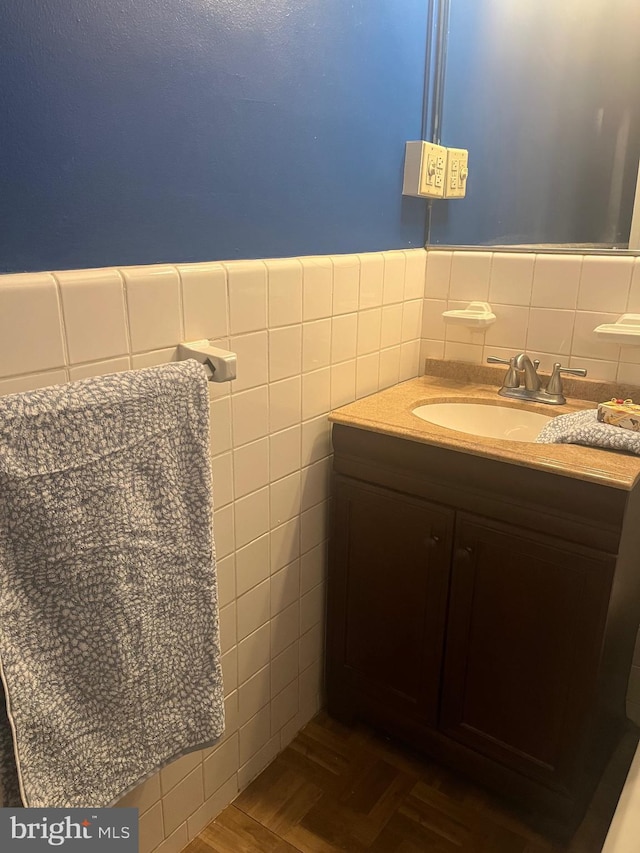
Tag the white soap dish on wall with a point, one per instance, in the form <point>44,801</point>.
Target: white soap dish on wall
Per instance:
<point>477,315</point>
<point>625,331</point>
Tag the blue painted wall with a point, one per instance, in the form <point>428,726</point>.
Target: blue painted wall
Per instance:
<point>545,96</point>
<point>140,131</point>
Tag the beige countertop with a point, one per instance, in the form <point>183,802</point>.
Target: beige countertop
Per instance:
<point>390,412</point>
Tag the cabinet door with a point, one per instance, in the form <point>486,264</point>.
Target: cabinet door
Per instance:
<point>388,579</point>
<point>526,618</point>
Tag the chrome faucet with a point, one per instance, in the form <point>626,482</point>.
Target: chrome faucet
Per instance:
<point>530,370</point>
<point>532,389</point>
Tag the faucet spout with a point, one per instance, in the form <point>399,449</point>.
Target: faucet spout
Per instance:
<point>531,378</point>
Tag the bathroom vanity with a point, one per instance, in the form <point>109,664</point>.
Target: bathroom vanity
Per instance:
<point>484,594</point>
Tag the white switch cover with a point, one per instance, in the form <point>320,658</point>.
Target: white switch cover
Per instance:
<point>457,173</point>
<point>425,166</point>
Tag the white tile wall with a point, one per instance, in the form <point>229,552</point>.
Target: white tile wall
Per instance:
<point>204,297</point>
<point>94,314</point>
<point>393,279</point>
<point>317,288</point>
<point>36,345</point>
<point>346,283</point>
<point>285,292</point>
<point>153,300</point>
<point>311,334</point>
<point>247,285</point>
<point>371,280</point>
<point>547,305</point>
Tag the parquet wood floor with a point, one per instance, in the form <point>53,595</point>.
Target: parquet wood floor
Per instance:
<point>341,789</point>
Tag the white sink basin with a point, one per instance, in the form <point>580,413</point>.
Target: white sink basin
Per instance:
<point>481,419</point>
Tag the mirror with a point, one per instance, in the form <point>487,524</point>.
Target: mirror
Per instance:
<point>545,94</point>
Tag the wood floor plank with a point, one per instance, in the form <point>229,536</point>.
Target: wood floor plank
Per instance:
<point>457,832</point>
<point>348,790</point>
<point>373,783</point>
<point>330,750</point>
<point>279,798</point>
<point>402,835</point>
<point>331,825</point>
<point>383,792</point>
<point>235,832</point>
<point>198,845</point>
<point>455,806</point>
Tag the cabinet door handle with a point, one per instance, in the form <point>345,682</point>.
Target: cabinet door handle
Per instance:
<point>432,542</point>
<point>464,553</point>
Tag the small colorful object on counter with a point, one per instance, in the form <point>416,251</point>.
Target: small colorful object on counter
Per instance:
<point>621,413</point>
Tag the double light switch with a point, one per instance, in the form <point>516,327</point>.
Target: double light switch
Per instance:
<point>433,171</point>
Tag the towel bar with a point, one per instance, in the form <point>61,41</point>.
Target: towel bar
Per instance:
<point>221,364</point>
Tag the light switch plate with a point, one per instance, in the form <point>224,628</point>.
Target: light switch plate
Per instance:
<point>425,166</point>
<point>456,173</point>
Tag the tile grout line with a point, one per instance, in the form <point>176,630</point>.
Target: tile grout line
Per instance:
<point>63,328</point>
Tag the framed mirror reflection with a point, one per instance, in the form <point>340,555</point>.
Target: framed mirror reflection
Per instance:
<point>545,95</point>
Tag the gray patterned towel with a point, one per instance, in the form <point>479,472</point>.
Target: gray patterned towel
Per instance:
<point>109,648</point>
<point>584,428</point>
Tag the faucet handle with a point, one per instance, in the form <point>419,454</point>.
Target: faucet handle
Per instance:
<point>554,385</point>
<point>511,379</point>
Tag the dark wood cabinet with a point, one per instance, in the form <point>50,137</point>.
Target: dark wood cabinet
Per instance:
<point>483,612</point>
<point>389,622</point>
<point>526,618</point>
